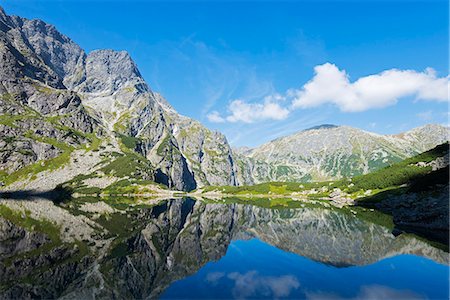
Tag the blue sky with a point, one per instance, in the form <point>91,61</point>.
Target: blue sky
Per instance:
<point>245,64</point>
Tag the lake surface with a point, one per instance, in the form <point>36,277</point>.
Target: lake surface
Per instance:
<point>184,248</point>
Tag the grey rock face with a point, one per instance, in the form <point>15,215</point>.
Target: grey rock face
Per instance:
<point>55,49</point>
<point>34,104</point>
<point>184,153</point>
<point>15,240</point>
<point>49,54</point>
<point>107,71</point>
<point>208,153</point>
<point>19,153</point>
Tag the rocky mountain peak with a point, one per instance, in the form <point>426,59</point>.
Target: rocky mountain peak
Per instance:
<point>427,128</point>
<point>57,50</point>
<point>41,45</point>
<point>108,71</point>
<point>182,152</point>
<point>3,15</point>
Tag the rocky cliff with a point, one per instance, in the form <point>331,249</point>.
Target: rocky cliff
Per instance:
<point>39,118</point>
<point>184,153</point>
<point>55,99</point>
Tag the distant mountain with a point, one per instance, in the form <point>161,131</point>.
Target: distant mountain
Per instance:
<point>329,152</point>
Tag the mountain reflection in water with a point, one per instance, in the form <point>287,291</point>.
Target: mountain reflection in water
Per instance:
<point>194,249</point>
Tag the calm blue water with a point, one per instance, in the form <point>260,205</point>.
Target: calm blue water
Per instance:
<point>254,269</point>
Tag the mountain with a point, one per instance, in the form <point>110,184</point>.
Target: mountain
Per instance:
<point>183,152</point>
<point>65,113</point>
<point>90,118</point>
<point>330,152</point>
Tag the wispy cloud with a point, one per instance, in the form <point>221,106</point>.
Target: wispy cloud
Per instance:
<point>214,277</point>
<point>215,73</point>
<point>205,74</point>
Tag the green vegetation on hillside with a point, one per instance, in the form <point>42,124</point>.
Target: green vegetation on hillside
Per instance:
<point>128,141</point>
<point>40,166</point>
<point>132,186</point>
<point>278,188</point>
<point>128,164</point>
<point>129,173</point>
<point>400,173</point>
<point>87,141</point>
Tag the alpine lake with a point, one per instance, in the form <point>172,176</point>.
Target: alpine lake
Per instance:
<point>184,248</point>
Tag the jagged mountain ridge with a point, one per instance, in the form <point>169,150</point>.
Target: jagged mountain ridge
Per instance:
<point>55,97</point>
<point>331,152</point>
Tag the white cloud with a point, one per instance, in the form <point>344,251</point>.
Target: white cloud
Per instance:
<point>384,292</point>
<point>252,112</point>
<point>215,117</point>
<point>214,277</point>
<point>331,85</point>
<point>241,111</point>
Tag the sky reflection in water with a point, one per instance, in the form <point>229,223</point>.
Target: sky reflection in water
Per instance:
<point>254,269</point>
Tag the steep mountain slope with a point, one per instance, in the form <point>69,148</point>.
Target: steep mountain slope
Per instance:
<point>331,152</point>
<point>184,152</point>
<point>56,99</point>
<point>40,120</point>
